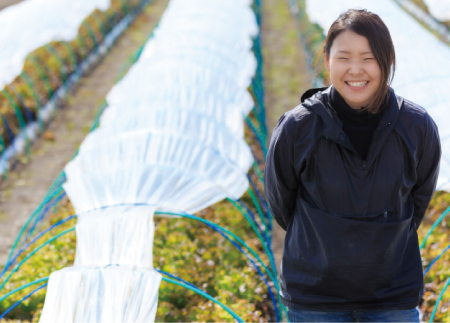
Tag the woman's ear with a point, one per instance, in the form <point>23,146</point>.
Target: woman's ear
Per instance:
<point>327,61</point>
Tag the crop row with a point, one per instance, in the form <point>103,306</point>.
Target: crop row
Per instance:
<point>183,247</point>
<point>48,70</point>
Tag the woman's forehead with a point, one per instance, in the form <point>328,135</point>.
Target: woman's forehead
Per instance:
<point>349,42</point>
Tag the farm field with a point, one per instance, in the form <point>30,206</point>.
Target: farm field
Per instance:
<point>287,75</point>
<point>184,247</point>
<point>25,313</point>
<point>22,192</point>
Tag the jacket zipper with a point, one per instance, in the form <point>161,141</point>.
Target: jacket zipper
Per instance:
<point>364,164</point>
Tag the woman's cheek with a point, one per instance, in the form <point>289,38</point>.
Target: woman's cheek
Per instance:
<point>338,68</point>
<point>374,72</point>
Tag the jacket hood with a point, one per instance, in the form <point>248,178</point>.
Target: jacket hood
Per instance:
<point>318,101</point>
<point>311,92</point>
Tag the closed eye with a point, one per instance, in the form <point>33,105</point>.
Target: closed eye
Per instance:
<point>369,58</point>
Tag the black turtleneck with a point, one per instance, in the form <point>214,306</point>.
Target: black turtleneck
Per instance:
<point>359,126</point>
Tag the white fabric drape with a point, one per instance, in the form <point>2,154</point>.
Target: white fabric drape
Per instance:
<point>172,139</point>
<point>31,24</point>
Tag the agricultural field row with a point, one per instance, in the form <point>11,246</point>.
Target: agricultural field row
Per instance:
<point>182,247</point>
<point>197,252</point>
<point>28,100</point>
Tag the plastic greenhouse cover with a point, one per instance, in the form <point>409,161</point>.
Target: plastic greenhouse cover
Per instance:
<point>232,45</point>
<point>440,9</point>
<point>198,99</point>
<point>187,124</point>
<point>214,19</point>
<point>230,8</point>
<point>171,139</point>
<point>229,5</point>
<point>209,64</point>
<point>238,12</point>
<point>189,73</point>
<point>187,84</point>
<point>114,294</point>
<point>231,50</point>
<point>124,228</point>
<point>231,119</point>
<point>151,148</point>
<point>422,71</point>
<point>241,157</point>
<point>206,67</point>
<point>33,23</point>
<point>244,63</point>
<point>167,187</point>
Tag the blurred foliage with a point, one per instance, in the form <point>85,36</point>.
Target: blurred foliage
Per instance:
<point>421,4</point>
<point>57,255</point>
<point>440,239</point>
<point>313,38</point>
<point>48,67</point>
<point>200,255</point>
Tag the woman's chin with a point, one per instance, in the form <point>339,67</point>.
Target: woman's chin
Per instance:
<point>356,102</point>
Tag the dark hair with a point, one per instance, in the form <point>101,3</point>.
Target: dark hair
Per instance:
<point>371,26</point>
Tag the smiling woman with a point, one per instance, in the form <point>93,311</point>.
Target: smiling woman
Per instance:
<point>349,174</point>
<point>359,56</point>
<point>353,70</point>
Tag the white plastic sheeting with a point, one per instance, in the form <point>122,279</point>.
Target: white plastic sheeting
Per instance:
<point>440,9</point>
<point>33,23</point>
<point>32,129</point>
<point>98,159</point>
<point>170,139</point>
<point>87,294</point>
<point>113,243</point>
<point>422,72</point>
<point>195,126</point>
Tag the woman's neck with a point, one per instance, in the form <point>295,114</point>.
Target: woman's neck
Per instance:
<point>339,103</point>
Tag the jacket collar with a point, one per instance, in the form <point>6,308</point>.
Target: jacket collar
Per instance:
<point>319,102</point>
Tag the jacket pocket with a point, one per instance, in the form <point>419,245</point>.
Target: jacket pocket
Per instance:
<point>378,217</point>
<point>348,258</point>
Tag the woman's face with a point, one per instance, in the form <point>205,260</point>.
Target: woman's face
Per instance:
<point>354,71</point>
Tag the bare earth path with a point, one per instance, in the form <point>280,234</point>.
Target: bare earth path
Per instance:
<point>28,183</point>
<point>286,76</point>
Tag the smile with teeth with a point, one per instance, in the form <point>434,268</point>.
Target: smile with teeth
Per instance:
<point>357,84</point>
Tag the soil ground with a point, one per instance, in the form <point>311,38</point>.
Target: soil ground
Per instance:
<point>7,3</point>
<point>27,184</point>
<point>286,75</point>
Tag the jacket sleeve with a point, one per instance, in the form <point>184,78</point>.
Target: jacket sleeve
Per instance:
<point>427,170</point>
<point>280,179</point>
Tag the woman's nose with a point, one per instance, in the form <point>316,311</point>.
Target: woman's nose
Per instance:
<point>355,69</point>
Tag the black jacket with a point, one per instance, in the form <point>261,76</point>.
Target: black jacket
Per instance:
<point>351,241</point>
